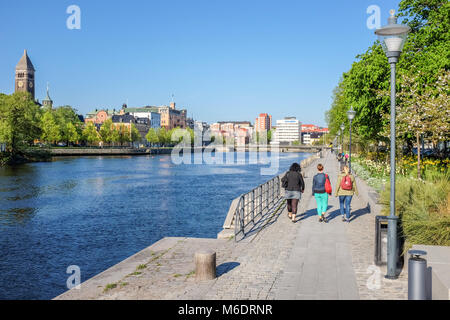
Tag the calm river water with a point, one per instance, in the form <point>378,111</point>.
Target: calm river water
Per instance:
<point>94,212</point>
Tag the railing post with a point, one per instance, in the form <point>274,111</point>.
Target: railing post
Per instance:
<point>242,208</point>
<point>253,206</point>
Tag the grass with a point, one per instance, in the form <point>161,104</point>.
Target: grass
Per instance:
<point>141,267</point>
<point>190,274</point>
<point>423,207</point>
<point>110,286</point>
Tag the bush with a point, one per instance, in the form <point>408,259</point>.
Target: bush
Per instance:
<point>423,208</point>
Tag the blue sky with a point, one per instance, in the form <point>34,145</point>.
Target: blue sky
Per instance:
<point>222,59</point>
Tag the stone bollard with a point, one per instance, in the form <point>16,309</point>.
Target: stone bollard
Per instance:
<point>205,265</point>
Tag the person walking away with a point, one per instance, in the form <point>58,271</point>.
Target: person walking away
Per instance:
<point>294,186</point>
<point>319,192</point>
<point>345,189</point>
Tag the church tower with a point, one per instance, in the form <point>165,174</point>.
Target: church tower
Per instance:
<point>25,75</point>
<point>47,102</point>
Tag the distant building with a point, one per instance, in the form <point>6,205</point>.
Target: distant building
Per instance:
<point>100,116</point>
<point>311,133</point>
<point>24,79</point>
<point>127,120</point>
<point>263,122</point>
<point>47,102</point>
<point>240,131</point>
<point>190,123</point>
<point>150,113</point>
<point>169,116</point>
<point>288,131</point>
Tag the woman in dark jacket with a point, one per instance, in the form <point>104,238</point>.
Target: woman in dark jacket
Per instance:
<point>294,185</point>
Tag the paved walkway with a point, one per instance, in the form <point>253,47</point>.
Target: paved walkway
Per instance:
<point>279,260</point>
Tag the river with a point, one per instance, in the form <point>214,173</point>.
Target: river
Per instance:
<point>94,212</point>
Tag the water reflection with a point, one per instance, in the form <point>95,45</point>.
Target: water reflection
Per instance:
<point>16,215</point>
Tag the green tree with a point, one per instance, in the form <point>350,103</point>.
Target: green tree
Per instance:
<point>19,121</point>
<point>426,53</point>
<point>163,136</point>
<point>152,137</point>
<point>73,134</point>
<point>115,136</point>
<point>63,116</point>
<point>135,135</point>
<point>124,134</point>
<point>51,131</point>
<point>90,134</point>
<point>106,131</point>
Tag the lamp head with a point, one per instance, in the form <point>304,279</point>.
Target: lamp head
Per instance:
<point>393,36</point>
<point>351,114</point>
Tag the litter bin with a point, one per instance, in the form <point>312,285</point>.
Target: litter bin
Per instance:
<point>381,227</point>
<point>417,273</point>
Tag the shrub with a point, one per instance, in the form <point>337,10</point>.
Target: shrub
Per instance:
<point>423,207</point>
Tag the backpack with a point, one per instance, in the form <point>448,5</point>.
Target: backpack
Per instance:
<point>346,183</point>
<point>327,185</point>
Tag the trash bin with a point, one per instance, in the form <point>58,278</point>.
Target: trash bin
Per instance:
<point>417,274</point>
<point>381,227</point>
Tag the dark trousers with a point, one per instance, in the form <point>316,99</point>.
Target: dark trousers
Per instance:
<point>292,205</point>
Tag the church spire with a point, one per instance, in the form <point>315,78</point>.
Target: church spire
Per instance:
<point>47,102</point>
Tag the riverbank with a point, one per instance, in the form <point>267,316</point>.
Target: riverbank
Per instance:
<point>42,155</point>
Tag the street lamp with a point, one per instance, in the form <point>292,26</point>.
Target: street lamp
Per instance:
<point>392,38</point>
<point>342,137</point>
<point>350,115</point>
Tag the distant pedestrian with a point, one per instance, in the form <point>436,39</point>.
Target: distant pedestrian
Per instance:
<point>320,192</point>
<point>294,186</point>
<point>345,189</point>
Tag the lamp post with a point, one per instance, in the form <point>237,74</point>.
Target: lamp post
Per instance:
<point>350,115</point>
<point>342,137</point>
<point>392,38</point>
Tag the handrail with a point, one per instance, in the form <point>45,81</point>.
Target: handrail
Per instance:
<point>254,203</point>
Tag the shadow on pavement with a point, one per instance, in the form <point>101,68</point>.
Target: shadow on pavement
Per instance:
<point>225,268</point>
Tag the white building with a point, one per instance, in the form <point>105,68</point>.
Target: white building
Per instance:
<point>154,117</point>
<point>287,130</point>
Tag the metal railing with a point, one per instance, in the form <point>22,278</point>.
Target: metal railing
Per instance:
<point>256,202</point>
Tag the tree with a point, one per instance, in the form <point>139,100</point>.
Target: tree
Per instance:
<point>63,116</point>
<point>163,137</point>
<point>135,135</point>
<point>426,52</point>
<point>152,137</point>
<point>106,131</point>
<point>50,129</point>
<point>90,134</point>
<point>19,121</point>
<point>115,136</point>
<point>124,134</point>
<point>73,135</point>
